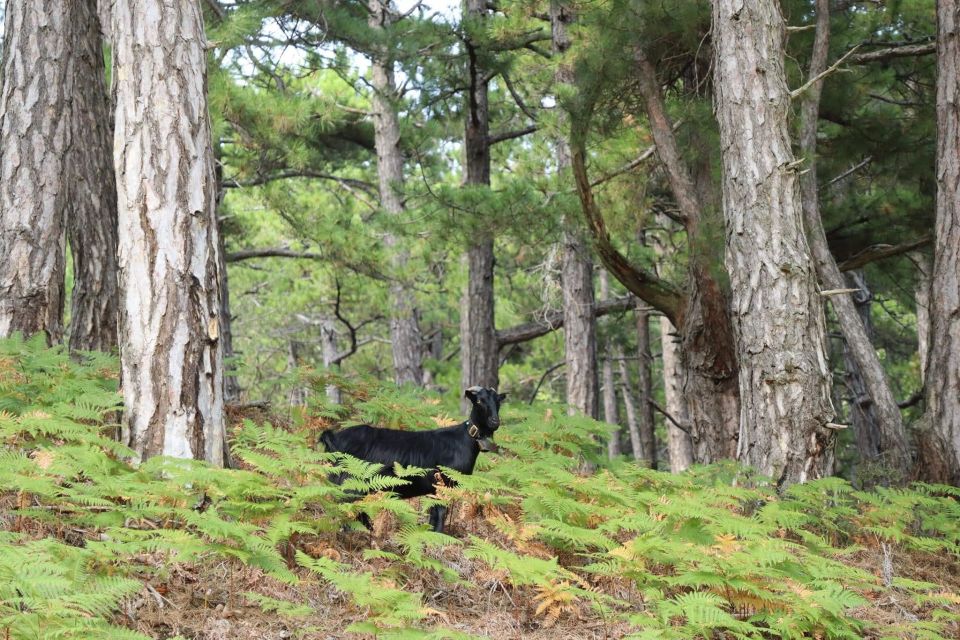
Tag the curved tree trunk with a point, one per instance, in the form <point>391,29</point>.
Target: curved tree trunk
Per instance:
<point>170,352</point>
<point>891,445</point>
<point>708,346</point>
<point>92,207</point>
<point>405,338</point>
<point>679,446</point>
<point>778,319</point>
<point>478,338</point>
<point>35,138</point>
<point>939,444</point>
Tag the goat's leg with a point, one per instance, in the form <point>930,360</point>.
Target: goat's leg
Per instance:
<point>438,513</point>
<point>364,519</point>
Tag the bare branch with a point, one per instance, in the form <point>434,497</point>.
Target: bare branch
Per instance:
<point>275,252</point>
<point>233,183</point>
<point>905,51</point>
<point>881,252</point>
<point>510,135</point>
<point>645,155</point>
<point>823,74</point>
<point>553,320</point>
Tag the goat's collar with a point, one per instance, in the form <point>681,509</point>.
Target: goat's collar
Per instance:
<point>473,430</point>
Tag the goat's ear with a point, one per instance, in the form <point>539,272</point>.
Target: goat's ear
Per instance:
<point>501,397</point>
<point>471,393</point>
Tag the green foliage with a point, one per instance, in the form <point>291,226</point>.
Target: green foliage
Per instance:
<point>700,556</point>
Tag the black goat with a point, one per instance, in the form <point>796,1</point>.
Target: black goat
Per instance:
<point>454,447</point>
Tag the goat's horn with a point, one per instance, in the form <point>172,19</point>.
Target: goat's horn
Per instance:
<point>475,389</point>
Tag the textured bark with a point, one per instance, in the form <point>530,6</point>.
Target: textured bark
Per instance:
<point>648,441</point>
<point>579,328</point>
<point>92,205</point>
<point>231,384</point>
<point>924,265</point>
<point>405,337</point>
<point>708,346</point>
<point>939,444</point>
<point>608,387</point>
<point>679,446</point>
<point>579,324</point>
<point>777,313</point>
<point>170,351</point>
<point>877,407</point>
<point>478,339</point>
<point>864,418</point>
<point>35,138</point>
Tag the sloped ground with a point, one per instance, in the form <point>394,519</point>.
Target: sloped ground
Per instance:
<point>92,547</point>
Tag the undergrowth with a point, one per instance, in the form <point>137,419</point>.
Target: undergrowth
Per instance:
<point>712,553</point>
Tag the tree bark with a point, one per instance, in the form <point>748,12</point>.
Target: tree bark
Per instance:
<point>778,319</point>
<point>679,446</point>
<point>92,206</point>
<point>579,323</point>
<point>170,349</point>
<point>863,415</point>
<point>648,441</point>
<point>879,407</point>
<point>35,139</point>
<point>405,336</point>
<point>939,444</point>
<point>924,265</point>
<point>708,345</point>
<point>608,388</point>
<point>478,339</point>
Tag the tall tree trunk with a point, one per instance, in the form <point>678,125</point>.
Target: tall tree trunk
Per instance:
<point>648,440</point>
<point>633,418</point>
<point>35,138</point>
<point>785,405</point>
<point>863,414</point>
<point>170,349</point>
<point>679,446</point>
<point>299,393</point>
<point>891,446</point>
<point>329,351</point>
<point>924,265</point>
<point>231,384</point>
<point>405,337</point>
<point>579,322</point>
<point>92,205</point>
<point>939,445</point>
<point>708,346</point>
<point>478,338</point>
<point>608,388</point>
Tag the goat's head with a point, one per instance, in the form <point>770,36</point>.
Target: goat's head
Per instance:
<point>485,414</point>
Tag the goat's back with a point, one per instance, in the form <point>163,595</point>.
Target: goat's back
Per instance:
<point>448,447</point>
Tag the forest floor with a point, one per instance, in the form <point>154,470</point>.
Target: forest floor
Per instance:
<point>95,547</point>
<point>206,602</point>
